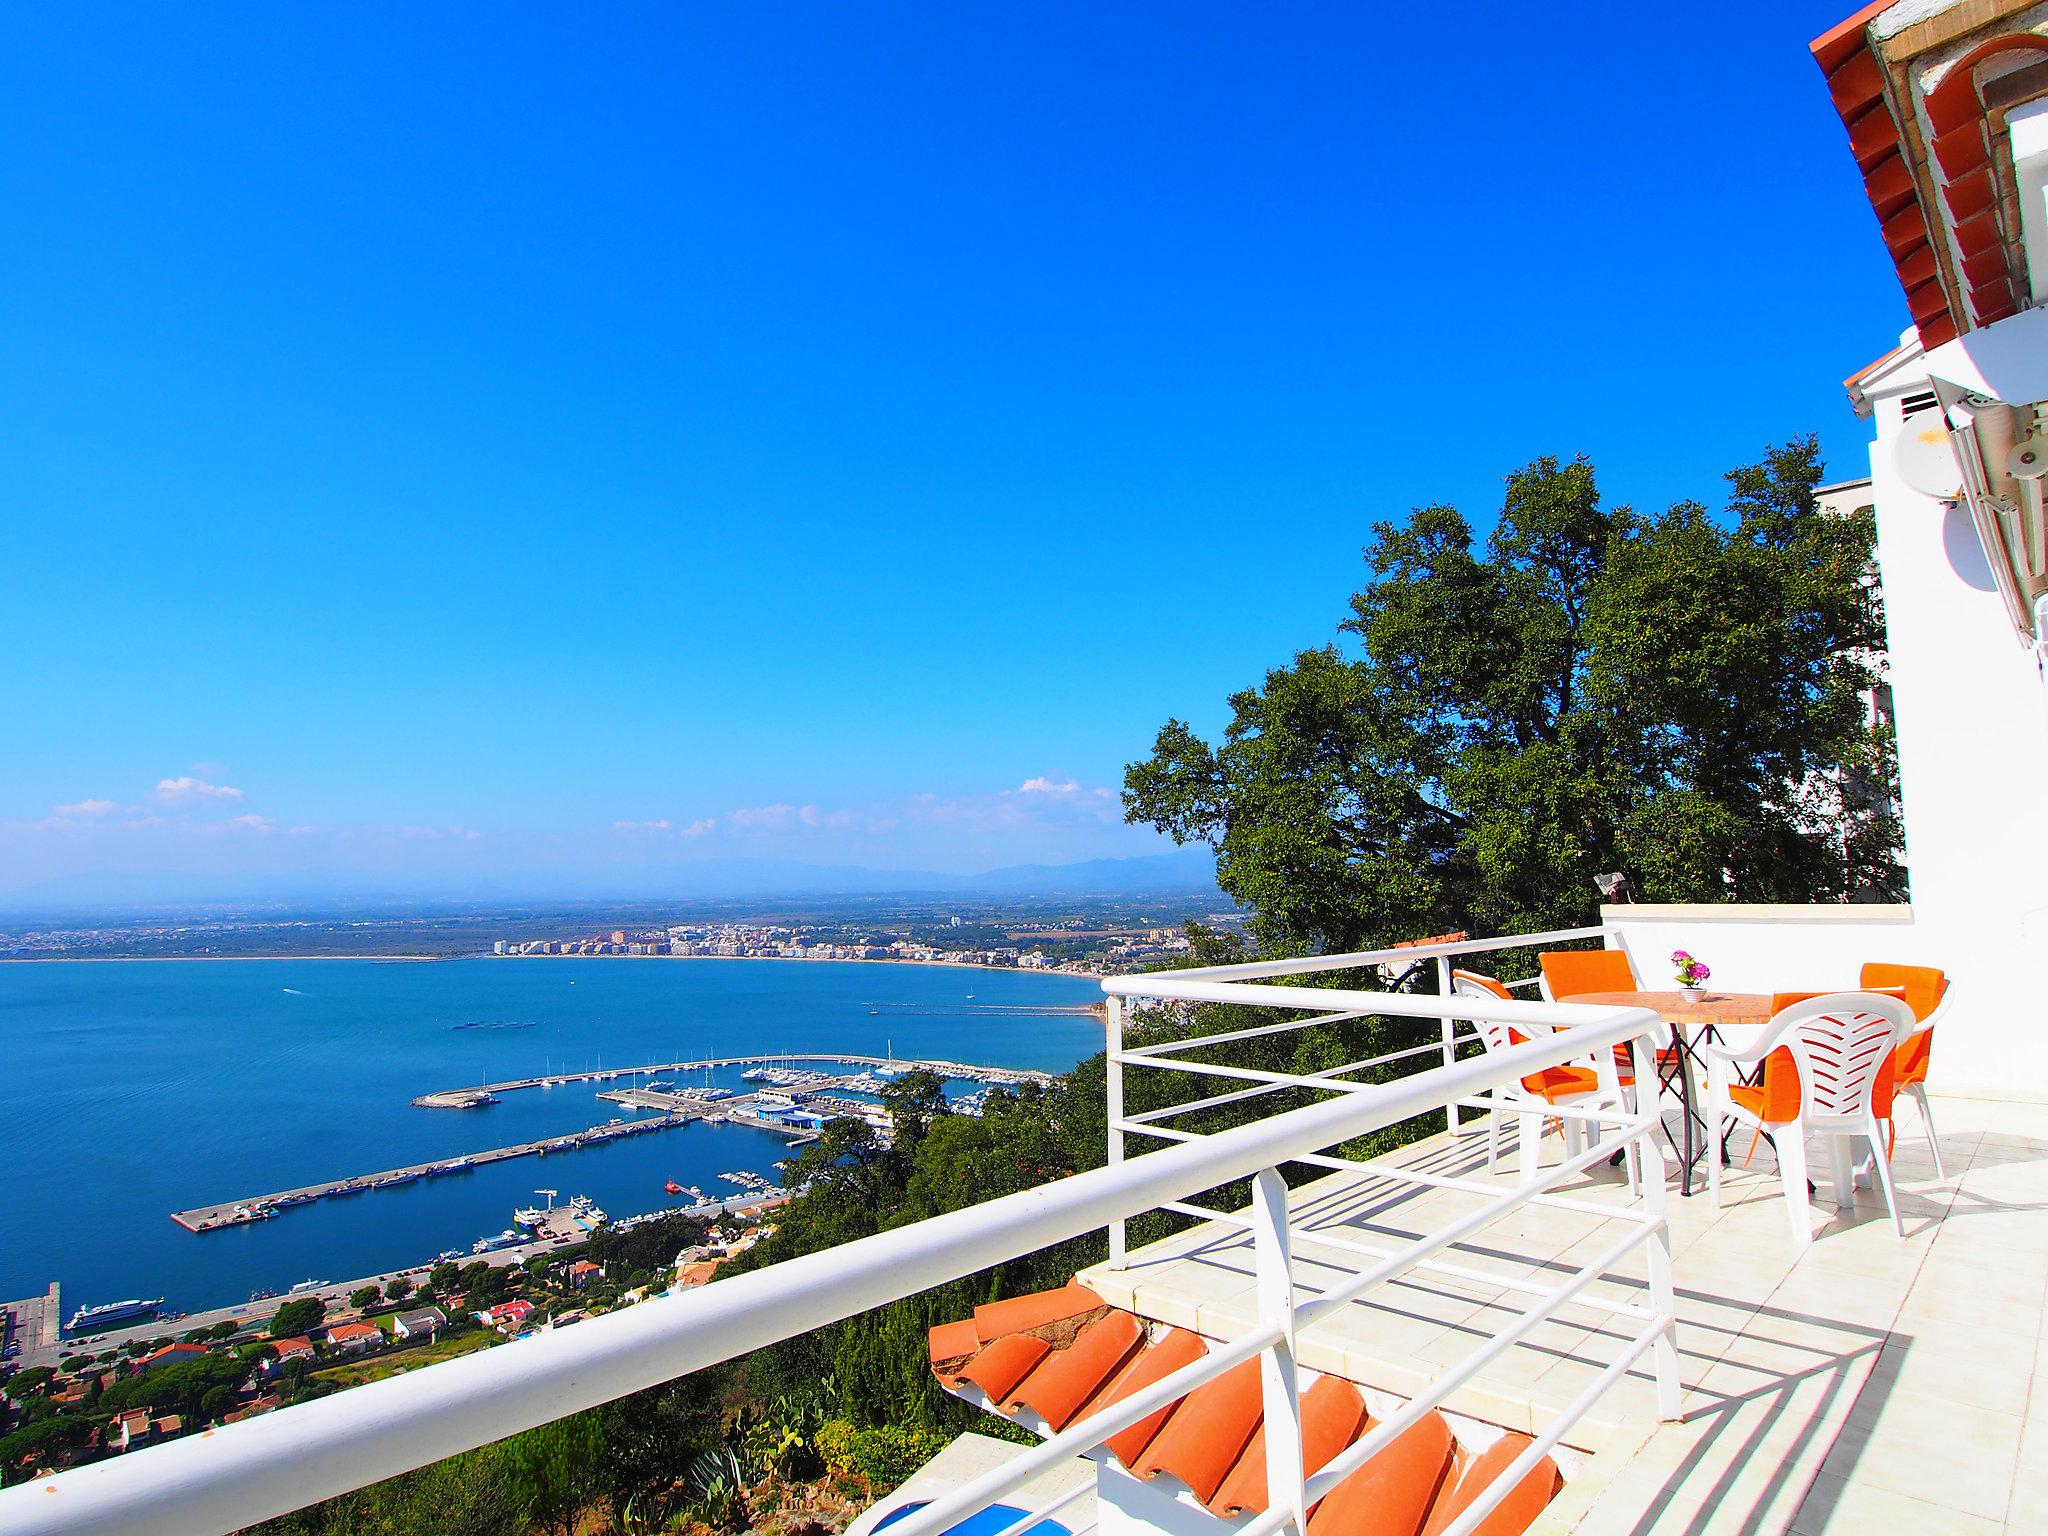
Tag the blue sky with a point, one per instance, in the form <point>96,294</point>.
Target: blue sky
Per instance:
<point>478,436</point>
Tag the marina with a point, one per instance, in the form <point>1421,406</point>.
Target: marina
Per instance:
<point>780,1062</point>
<point>337,1061</point>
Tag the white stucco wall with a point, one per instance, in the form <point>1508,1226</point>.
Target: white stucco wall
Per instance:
<point>1973,759</point>
<point>1766,948</point>
<point>1972,718</point>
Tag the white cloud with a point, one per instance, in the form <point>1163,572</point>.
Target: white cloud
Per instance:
<point>664,825</point>
<point>1045,786</point>
<point>84,808</point>
<point>699,827</point>
<point>186,788</point>
<point>439,834</point>
<point>262,824</point>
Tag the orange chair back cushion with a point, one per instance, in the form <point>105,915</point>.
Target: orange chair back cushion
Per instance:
<point>1487,982</point>
<point>1570,972</point>
<point>1924,987</point>
<point>1545,1083</point>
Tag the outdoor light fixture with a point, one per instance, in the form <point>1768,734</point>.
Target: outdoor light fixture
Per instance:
<point>1614,887</point>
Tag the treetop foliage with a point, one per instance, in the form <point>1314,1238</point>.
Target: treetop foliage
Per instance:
<point>1680,697</point>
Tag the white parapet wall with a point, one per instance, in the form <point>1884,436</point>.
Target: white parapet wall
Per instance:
<point>1994,1041</point>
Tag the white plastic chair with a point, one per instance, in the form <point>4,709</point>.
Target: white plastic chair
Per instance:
<point>1838,1042</point>
<point>1531,1107</point>
<point>1918,1090</point>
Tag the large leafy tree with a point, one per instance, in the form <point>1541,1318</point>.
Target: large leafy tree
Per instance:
<point>1680,697</point>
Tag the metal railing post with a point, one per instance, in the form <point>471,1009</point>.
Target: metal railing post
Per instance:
<point>1281,1387</point>
<point>1113,1094</point>
<point>1450,1031</point>
<point>1656,1206</point>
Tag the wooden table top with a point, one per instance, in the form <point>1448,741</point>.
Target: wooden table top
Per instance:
<point>1718,1009</point>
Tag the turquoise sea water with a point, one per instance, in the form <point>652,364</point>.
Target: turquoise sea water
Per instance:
<point>133,1089</point>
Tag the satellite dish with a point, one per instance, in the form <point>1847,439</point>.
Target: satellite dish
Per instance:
<point>2028,459</point>
<point>1924,459</point>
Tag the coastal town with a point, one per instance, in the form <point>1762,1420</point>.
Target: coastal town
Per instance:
<point>1118,952</point>
<point>1087,937</point>
<point>107,1382</point>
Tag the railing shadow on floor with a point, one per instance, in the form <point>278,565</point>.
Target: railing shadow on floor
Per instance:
<point>1739,1430</point>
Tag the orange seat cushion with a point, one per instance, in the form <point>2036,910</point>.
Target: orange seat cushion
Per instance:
<point>1554,1083</point>
<point>1569,972</point>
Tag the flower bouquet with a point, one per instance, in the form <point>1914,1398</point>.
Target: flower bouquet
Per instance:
<point>1692,975</point>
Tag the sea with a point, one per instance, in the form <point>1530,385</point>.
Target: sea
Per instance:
<point>136,1088</point>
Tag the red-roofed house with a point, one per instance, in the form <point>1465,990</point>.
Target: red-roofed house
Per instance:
<point>582,1272</point>
<point>129,1430</point>
<point>696,1272</point>
<point>354,1337</point>
<point>506,1315</point>
<point>290,1349</point>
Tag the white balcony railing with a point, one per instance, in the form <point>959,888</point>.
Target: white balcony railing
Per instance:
<point>235,1475</point>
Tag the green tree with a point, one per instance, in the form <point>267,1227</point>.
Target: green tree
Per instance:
<point>24,1385</point>
<point>397,1288</point>
<point>300,1315</point>
<point>364,1297</point>
<point>557,1471</point>
<point>28,1447</point>
<point>484,1284</point>
<point>1678,697</point>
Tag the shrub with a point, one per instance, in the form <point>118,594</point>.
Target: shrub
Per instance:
<point>886,1456</point>
<point>834,1444</point>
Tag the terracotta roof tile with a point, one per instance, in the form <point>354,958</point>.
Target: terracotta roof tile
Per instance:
<point>1391,1495</point>
<point>1067,1378</point>
<point>1154,1363</point>
<point>1022,1313</point>
<point>1332,1416</point>
<point>1065,1354</point>
<point>952,1345</point>
<point>1513,1514</point>
<point>1004,1363</point>
<point>1208,1432</point>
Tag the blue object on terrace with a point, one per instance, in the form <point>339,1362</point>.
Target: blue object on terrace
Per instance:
<point>986,1522</point>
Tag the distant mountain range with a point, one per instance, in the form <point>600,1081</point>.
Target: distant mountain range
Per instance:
<point>104,892</point>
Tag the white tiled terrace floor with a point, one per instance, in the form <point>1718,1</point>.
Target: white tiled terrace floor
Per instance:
<point>1865,1384</point>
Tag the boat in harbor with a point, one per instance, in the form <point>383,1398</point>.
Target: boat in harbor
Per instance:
<point>113,1314</point>
<point>309,1285</point>
<point>504,1239</point>
<point>672,1188</point>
